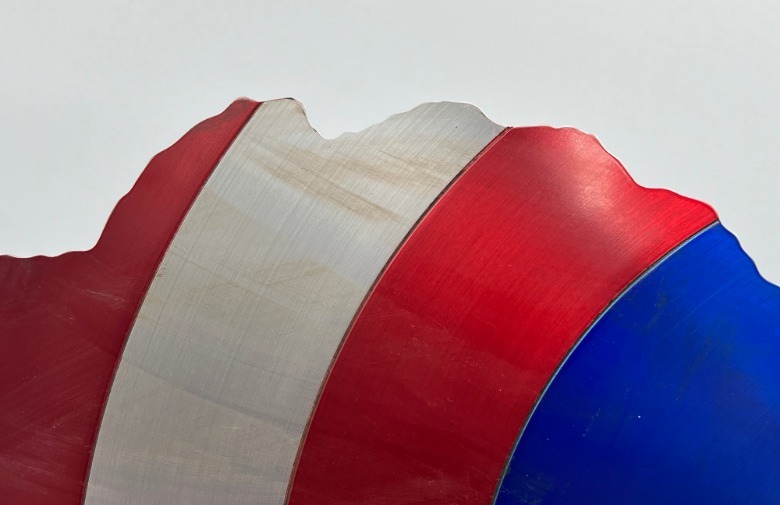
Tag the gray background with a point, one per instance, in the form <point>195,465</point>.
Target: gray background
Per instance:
<point>685,94</point>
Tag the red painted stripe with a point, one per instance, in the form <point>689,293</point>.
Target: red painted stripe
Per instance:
<point>64,320</point>
<point>474,314</point>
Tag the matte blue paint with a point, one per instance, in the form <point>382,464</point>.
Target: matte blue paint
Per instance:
<point>672,397</point>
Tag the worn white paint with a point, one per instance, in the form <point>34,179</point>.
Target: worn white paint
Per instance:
<point>251,302</point>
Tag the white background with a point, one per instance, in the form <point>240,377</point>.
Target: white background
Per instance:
<point>684,93</point>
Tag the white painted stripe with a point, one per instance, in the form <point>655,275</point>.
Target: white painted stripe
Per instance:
<point>252,299</point>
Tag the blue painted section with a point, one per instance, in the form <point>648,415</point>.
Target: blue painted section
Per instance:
<point>672,397</point>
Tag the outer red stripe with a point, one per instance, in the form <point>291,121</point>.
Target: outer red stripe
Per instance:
<point>474,314</point>
<point>64,320</point>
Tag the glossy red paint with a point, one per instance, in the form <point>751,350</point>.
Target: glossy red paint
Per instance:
<point>64,320</point>
<point>473,316</point>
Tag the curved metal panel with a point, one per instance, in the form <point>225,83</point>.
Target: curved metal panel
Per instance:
<point>64,320</point>
<point>473,316</point>
<point>253,297</point>
<point>671,397</point>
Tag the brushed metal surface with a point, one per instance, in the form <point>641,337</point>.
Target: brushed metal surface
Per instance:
<point>231,345</point>
<point>473,316</point>
<point>64,320</point>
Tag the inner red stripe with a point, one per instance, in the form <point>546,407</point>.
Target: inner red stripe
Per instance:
<point>64,320</point>
<point>474,314</point>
